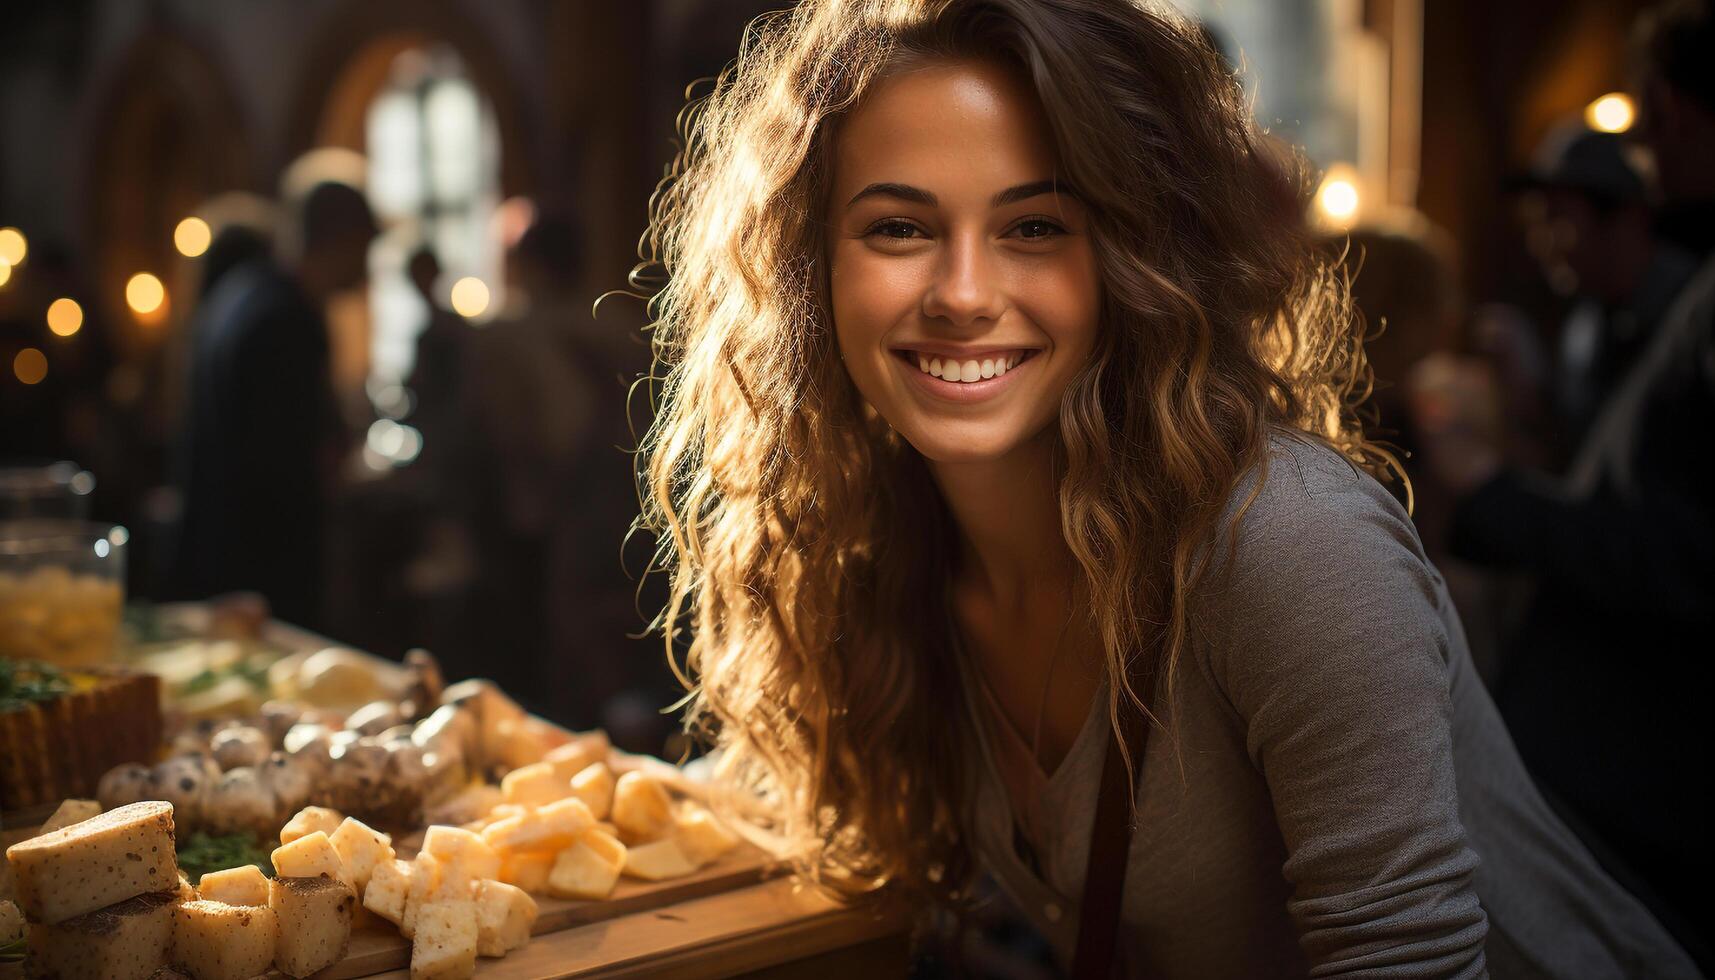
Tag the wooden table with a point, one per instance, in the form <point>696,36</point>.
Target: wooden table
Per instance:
<point>765,930</point>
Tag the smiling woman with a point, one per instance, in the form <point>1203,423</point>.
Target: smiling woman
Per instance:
<point>1008,416</point>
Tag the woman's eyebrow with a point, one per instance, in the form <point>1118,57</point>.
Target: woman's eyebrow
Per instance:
<point>917,195</point>
<point>1023,192</point>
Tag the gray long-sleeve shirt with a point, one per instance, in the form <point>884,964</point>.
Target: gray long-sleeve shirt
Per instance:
<point>1343,799</point>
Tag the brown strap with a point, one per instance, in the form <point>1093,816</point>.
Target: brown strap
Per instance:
<point>1110,850</point>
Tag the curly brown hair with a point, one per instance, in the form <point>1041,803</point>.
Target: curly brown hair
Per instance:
<point>805,542</point>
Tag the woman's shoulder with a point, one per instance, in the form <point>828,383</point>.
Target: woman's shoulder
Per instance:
<point>1306,499</point>
<point>1310,537</point>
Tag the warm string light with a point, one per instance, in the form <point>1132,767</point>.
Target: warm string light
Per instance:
<point>1612,113</point>
<point>30,366</point>
<point>65,317</point>
<point>469,297</point>
<point>13,246</point>
<point>1337,199</point>
<point>192,236</point>
<point>145,294</point>
<point>5,272</point>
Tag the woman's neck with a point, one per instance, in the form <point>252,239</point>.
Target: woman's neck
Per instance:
<point>1007,511</point>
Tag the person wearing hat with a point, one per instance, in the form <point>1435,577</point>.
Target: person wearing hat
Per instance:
<point>1588,223</point>
<point>1606,681</point>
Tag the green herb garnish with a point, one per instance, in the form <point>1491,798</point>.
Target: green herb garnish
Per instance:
<point>200,853</point>
<point>12,952</point>
<point>25,682</point>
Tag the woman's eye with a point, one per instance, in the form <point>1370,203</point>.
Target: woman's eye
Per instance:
<point>1037,228</point>
<point>898,230</point>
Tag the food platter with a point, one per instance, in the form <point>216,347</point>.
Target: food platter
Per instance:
<point>418,824</point>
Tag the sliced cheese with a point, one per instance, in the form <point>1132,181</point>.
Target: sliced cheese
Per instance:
<point>310,856</point>
<point>658,860</point>
<point>123,853</point>
<point>216,941</point>
<point>641,807</point>
<point>360,848</point>
<point>309,820</point>
<point>235,886</point>
<point>126,941</point>
<point>315,922</point>
<point>504,916</point>
<point>444,947</point>
<point>389,887</point>
<point>70,812</point>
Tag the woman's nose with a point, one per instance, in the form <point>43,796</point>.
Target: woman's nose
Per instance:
<point>966,288</point>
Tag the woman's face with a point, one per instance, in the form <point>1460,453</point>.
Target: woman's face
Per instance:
<point>964,287</point>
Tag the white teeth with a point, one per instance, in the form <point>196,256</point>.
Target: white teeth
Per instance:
<point>967,371</point>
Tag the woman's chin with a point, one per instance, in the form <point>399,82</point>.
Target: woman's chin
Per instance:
<point>965,444</point>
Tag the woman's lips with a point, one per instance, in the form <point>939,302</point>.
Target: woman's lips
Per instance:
<point>912,362</point>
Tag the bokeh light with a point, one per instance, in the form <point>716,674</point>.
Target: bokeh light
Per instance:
<point>470,297</point>
<point>65,317</point>
<point>191,237</point>
<point>30,366</point>
<point>13,246</point>
<point>1612,113</point>
<point>5,271</point>
<point>1337,199</point>
<point>144,293</point>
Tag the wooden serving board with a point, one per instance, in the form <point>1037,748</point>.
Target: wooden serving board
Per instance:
<point>378,947</point>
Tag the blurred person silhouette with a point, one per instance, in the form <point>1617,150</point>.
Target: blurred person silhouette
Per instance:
<point>1605,682</point>
<point>437,374</point>
<point>1403,284</point>
<point>1588,222</point>
<point>548,385</point>
<point>262,438</point>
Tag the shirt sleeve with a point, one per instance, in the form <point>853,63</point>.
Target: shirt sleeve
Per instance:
<point>1331,649</point>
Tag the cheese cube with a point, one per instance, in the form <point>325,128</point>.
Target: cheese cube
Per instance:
<point>702,836</point>
<point>548,828</point>
<point>582,871</point>
<point>360,848</point>
<point>315,922</point>
<point>310,856</point>
<point>123,853</point>
<point>594,785</point>
<point>462,852</point>
<point>535,785</point>
<point>504,915</point>
<point>658,860</point>
<point>127,941</point>
<point>216,941</point>
<point>68,813</point>
<point>11,923</point>
<point>445,944</point>
<point>641,808</point>
<point>574,757</point>
<point>389,887</point>
<point>606,845</point>
<point>527,869</point>
<point>309,820</point>
<point>431,881</point>
<point>235,886</point>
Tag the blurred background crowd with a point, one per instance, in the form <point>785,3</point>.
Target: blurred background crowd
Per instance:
<point>302,293</point>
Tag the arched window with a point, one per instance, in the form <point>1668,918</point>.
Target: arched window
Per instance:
<point>434,178</point>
